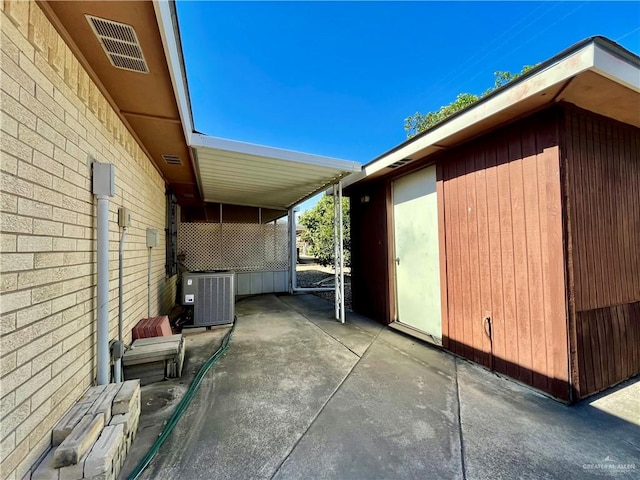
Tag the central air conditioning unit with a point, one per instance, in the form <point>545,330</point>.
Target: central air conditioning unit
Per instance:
<point>212,297</point>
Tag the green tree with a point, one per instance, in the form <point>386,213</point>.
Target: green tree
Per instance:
<point>419,122</point>
<point>318,222</point>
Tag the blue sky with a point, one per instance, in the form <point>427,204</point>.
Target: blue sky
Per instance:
<point>338,78</point>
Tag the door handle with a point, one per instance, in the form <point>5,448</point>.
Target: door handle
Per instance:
<point>397,260</point>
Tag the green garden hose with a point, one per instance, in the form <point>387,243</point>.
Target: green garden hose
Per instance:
<point>182,406</point>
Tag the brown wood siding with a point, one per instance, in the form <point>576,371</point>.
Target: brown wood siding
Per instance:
<point>602,162</point>
<point>504,253</point>
<point>609,346</point>
<point>370,282</point>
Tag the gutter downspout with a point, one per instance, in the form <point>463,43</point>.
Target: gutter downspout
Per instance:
<point>103,180</point>
<point>103,291</point>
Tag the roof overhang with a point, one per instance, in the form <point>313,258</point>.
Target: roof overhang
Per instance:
<point>595,74</point>
<point>238,173</point>
<point>241,173</point>
<point>152,106</point>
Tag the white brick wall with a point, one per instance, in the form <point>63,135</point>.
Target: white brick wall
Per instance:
<point>53,118</point>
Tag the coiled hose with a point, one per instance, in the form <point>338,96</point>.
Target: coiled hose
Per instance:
<point>182,406</point>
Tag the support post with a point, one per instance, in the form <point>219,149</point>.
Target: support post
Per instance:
<point>336,252</point>
<point>341,251</point>
<point>292,250</point>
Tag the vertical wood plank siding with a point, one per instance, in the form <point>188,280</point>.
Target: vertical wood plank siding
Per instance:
<point>369,254</point>
<point>504,253</point>
<point>602,159</point>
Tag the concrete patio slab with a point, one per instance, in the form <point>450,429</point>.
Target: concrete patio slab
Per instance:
<point>298,395</point>
<point>391,418</point>
<point>257,401</point>
<point>512,431</point>
<point>356,335</point>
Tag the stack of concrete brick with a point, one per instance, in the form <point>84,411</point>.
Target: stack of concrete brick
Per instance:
<point>152,327</point>
<point>92,440</point>
<point>155,358</point>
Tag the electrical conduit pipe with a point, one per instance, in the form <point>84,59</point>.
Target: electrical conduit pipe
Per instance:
<point>118,363</point>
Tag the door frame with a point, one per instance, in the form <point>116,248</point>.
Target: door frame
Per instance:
<point>393,284</point>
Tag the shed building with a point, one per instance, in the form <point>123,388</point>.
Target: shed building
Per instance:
<point>509,233</point>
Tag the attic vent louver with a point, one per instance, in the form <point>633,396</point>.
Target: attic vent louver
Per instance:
<point>400,163</point>
<point>172,159</point>
<point>120,43</point>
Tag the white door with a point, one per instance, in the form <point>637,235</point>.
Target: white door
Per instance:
<point>415,222</point>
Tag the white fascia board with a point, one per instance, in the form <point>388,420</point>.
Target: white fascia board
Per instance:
<point>554,74</point>
<point>204,141</point>
<point>244,204</point>
<point>167,33</point>
<point>616,68</point>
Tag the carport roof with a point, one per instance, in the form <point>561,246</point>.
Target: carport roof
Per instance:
<point>239,173</point>
<point>247,174</point>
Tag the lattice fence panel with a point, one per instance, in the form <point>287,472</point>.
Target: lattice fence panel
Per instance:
<point>200,244</point>
<point>281,246</point>
<point>234,246</point>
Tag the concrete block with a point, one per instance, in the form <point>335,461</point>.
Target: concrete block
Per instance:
<point>100,459</point>
<point>126,397</point>
<point>73,472</point>
<point>177,338</point>
<point>92,393</point>
<point>79,441</point>
<point>104,476</point>
<point>152,352</point>
<point>46,470</point>
<point>103,403</point>
<point>69,421</point>
<point>128,420</point>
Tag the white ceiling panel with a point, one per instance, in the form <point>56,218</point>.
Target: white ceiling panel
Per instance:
<point>246,174</point>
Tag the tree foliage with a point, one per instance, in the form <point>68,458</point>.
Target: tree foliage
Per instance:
<point>318,222</point>
<point>419,122</point>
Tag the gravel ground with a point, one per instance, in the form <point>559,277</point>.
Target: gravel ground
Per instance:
<point>310,274</point>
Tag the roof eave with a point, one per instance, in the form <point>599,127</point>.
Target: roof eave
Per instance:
<point>594,54</point>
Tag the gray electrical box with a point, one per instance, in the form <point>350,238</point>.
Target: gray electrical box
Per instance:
<point>124,217</point>
<point>212,295</point>
<point>152,238</point>
<point>104,179</point>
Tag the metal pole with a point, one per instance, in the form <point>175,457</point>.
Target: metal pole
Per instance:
<point>335,254</point>
<point>102,367</point>
<point>294,251</point>
<point>314,289</point>
<point>341,246</point>
<point>292,264</point>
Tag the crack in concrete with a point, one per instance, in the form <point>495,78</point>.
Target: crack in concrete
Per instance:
<point>328,399</point>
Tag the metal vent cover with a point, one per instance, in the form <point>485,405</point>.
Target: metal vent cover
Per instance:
<point>172,159</point>
<point>400,163</point>
<point>120,43</point>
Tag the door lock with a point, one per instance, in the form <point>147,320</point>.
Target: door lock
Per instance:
<point>397,260</point>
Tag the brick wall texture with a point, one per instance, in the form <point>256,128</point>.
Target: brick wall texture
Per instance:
<point>53,119</point>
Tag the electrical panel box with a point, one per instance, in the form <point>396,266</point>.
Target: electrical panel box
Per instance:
<point>153,238</point>
<point>104,179</point>
<point>124,217</point>
<point>212,295</point>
